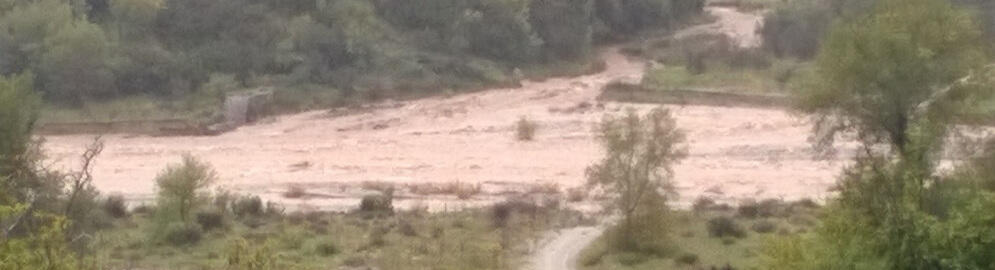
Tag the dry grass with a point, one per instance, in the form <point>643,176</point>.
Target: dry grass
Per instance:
<point>544,188</point>
<point>463,191</point>
<point>382,187</point>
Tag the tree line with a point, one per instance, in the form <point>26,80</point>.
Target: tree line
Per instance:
<point>82,50</point>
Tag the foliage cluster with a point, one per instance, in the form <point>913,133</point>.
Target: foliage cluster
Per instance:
<point>898,77</point>
<point>95,50</point>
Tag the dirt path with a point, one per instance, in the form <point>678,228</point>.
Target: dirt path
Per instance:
<point>740,26</point>
<point>563,250</point>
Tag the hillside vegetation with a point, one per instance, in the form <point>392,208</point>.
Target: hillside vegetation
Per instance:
<point>186,54</point>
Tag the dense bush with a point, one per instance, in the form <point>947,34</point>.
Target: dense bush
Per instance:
<point>626,17</point>
<point>893,210</point>
<point>181,188</point>
<point>115,206</point>
<point>211,220</point>
<point>182,234</point>
<point>724,226</point>
<point>764,226</point>
<point>242,255</point>
<point>377,203</point>
<point>797,29</point>
<point>101,49</point>
<point>248,206</point>
<point>687,259</point>
<point>327,249</point>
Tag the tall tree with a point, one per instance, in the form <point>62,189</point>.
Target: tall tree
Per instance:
<point>636,168</point>
<point>74,65</point>
<point>898,77</point>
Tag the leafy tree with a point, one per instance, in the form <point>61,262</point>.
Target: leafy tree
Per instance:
<point>74,66</point>
<point>319,48</point>
<point>133,18</point>
<point>564,26</point>
<point>636,168</point>
<point>499,29</point>
<point>180,187</point>
<point>25,29</point>
<point>18,110</point>
<point>626,17</point>
<point>910,63</point>
<point>898,77</point>
<point>44,249</point>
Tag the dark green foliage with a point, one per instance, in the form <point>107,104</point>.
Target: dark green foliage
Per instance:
<point>247,206</point>
<point>182,234</point>
<point>18,110</point>
<point>211,220</point>
<point>631,259</point>
<point>327,249</point>
<point>639,151</point>
<point>898,76</point>
<point>115,206</point>
<point>797,29</point>
<point>378,203</point>
<point>748,209</point>
<point>724,226</point>
<point>687,259</point>
<point>626,17</point>
<point>74,66</point>
<point>764,226</point>
<point>355,50</point>
<point>181,188</point>
<point>565,27</point>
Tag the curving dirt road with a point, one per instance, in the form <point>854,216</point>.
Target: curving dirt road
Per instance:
<point>563,249</point>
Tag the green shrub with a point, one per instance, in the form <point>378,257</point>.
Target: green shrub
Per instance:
<point>724,226</point>
<point>181,187</point>
<point>631,258</point>
<point>248,206</point>
<point>748,209</point>
<point>211,220</point>
<point>115,206</point>
<point>327,249</point>
<point>377,203</point>
<point>241,256</point>
<point>764,226</point>
<point>702,204</point>
<point>406,229</point>
<point>687,259</point>
<point>182,234</point>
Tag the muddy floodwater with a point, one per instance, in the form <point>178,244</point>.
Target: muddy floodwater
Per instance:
<point>468,140</point>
